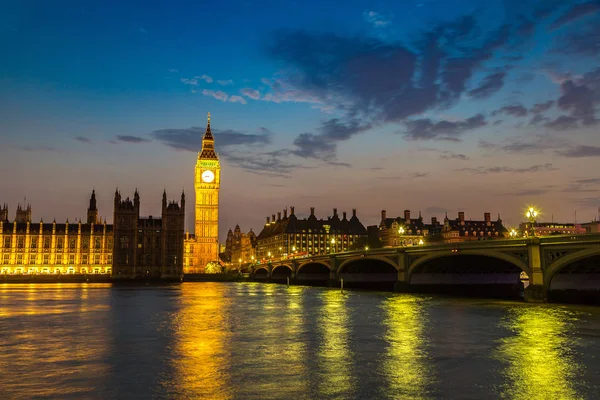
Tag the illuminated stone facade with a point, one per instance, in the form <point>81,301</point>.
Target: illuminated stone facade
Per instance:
<point>405,231</point>
<point>202,248</point>
<point>240,248</point>
<point>285,236</point>
<point>55,248</point>
<point>461,230</point>
<point>148,247</point>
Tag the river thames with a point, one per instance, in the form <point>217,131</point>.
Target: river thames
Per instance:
<point>268,341</point>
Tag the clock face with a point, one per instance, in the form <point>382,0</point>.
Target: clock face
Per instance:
<point>208,176</point>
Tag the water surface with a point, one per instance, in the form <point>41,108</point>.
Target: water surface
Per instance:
<point>267,341</point>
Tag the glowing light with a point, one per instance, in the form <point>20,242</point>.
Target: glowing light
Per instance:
<point>421,242</point>
<point>532,213</point>
<point>513,233</point>
<point>541,363</point>
<point>406,365</point>
<point>366,248</point>
<point>401,230</point>
<point>335,355</point>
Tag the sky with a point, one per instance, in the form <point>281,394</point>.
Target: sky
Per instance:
<point>436,106</point>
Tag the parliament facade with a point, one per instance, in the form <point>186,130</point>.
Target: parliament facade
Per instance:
<point>130,248</point>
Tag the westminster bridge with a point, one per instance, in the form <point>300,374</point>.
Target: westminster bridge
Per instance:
<point>543,263</point>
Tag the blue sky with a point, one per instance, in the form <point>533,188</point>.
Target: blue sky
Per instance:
<point>438,106</point>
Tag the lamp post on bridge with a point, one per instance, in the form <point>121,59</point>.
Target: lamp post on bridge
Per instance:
<point>332,250</point>
<point>532,215</point>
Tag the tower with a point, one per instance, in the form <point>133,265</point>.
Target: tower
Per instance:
<point>92,212</point>
<point>207,179</point>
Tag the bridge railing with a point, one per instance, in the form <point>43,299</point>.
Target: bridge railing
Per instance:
<point>471,244</point>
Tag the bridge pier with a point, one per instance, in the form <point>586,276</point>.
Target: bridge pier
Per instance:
<point>402,283</point>
<point>536,292</point>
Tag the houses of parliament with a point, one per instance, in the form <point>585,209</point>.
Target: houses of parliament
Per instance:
<point>132,246</point>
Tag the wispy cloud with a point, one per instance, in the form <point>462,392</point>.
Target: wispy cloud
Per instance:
<point>426,129</point>
<point>504,169</point>
<point>376,19</point>
<point>250,93</point>
<point>580,151</point>
<point>82,139</point>
<point>132,139</point>
<point>216,94</point>
<point>225,82</point>
<point>237,99</point>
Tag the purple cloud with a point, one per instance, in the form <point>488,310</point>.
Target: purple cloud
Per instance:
<point>250,93</point>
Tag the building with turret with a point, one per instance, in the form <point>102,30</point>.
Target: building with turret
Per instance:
<point>27,247</point>
<point>284,236</point>
<point>148,247</point>
<point>240,247</point>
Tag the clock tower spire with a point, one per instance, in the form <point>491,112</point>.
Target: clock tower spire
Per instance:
<point>207,180</point>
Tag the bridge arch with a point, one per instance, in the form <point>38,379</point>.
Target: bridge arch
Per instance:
<point>472,253</point>
<point>568,260</point>
<point>261,272</point>
<point>323,263</point>
<point>313,271</point>
<point>366,258</point>
<point>281,271</point>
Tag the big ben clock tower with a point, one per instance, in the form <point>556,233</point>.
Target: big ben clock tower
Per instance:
<point>207,179</point>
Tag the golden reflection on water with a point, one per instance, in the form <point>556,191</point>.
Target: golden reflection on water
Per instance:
<point>202,333</point>
<point>541,363</point>
<point>406,366</point>
<point>334,353</point>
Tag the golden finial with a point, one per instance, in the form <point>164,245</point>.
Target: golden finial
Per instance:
<point>209,118</point>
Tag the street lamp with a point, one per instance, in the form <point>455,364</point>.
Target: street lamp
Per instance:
<point>366,248</point>
<point>513,233</point>
<point>401,230</point>
<point>332,245</point>
<point>532,215</point>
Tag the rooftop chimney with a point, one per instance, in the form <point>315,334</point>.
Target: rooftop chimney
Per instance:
<point>285,213</point>
<point>273,218</point>
<point>383,214</point>
<point>312,211</point>
<point>407,215</point>
<point>279,216</point>
<point>344,214</point>
<point>488,218</point>
<point>461,217</point>
<point>335,212</point>
<point>354,213</point>
<point>291,211</point>
<point>268,220</point>
<point>434,221</point>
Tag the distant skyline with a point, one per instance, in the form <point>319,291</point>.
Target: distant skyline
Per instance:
<point>430,105</point>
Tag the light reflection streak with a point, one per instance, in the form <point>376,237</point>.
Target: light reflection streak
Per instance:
<point>201,364</point>
<point>334,353</point>
<point>406,366</point>
<point>541,362</point>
